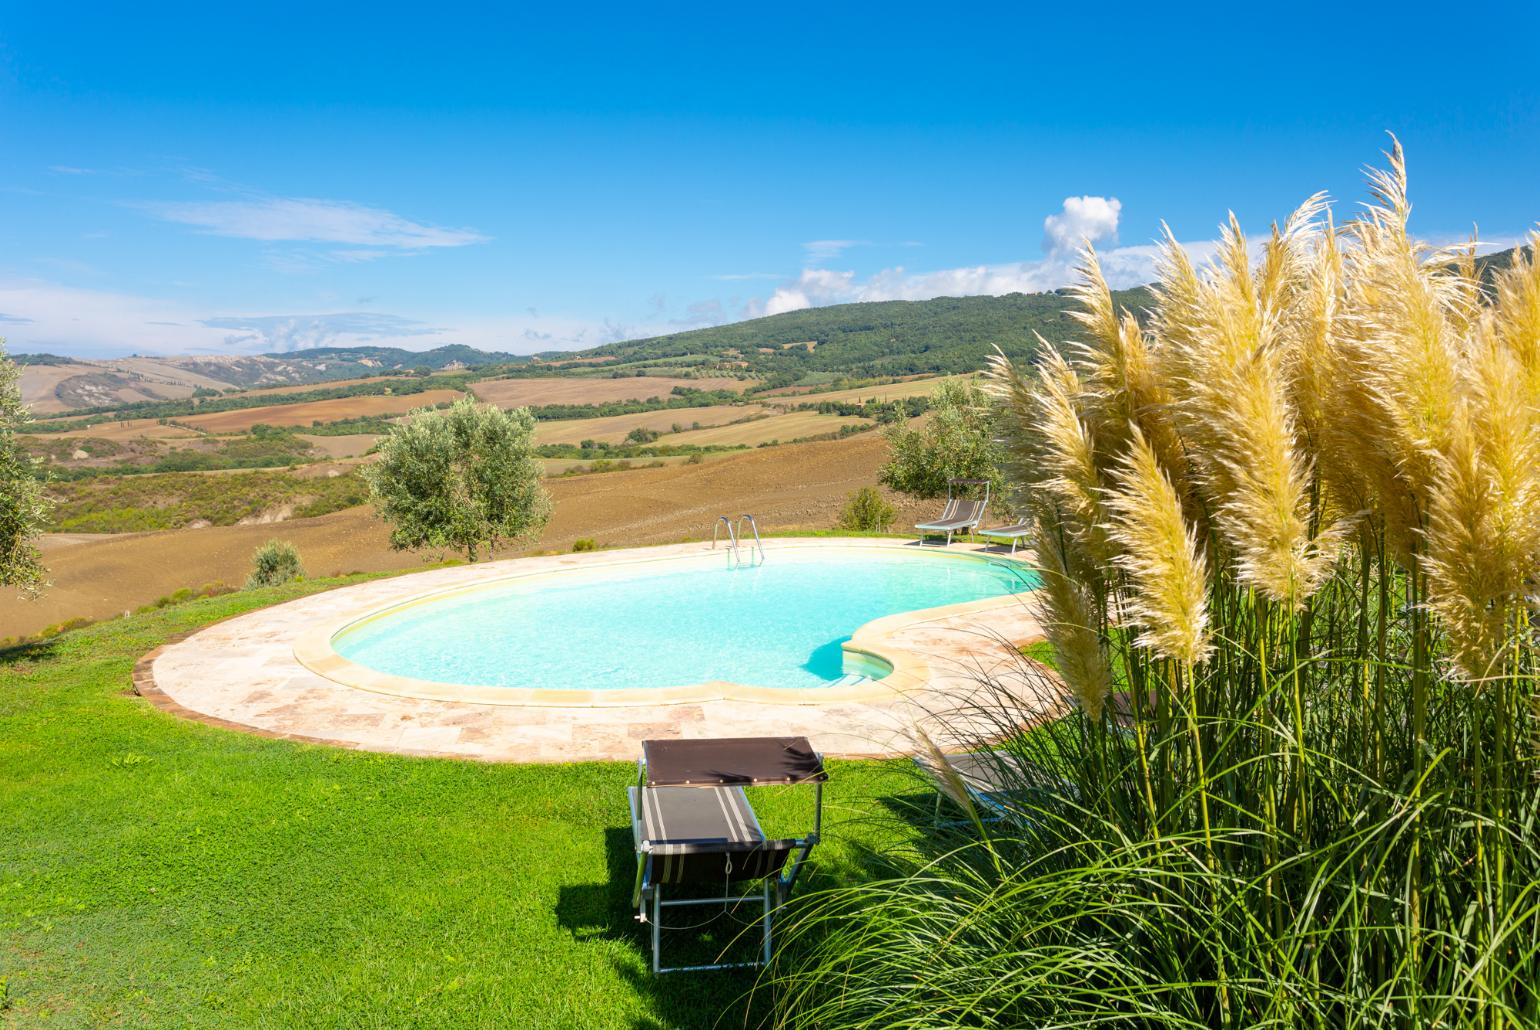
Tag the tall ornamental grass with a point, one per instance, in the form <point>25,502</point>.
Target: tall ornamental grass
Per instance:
<point>1287,523</point>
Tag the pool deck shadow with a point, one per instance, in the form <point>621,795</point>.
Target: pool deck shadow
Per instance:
<point>243,674</point>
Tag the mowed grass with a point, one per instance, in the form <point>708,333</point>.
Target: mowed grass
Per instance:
<point>795,425</point>
<point>613,428</point>
<point>160,872</point>
<point>304,414</point>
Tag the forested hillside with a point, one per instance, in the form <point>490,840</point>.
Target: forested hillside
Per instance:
<point>887,338</point>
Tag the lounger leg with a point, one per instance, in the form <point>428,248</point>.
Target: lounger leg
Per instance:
<point>657,929</point>
<point>768,916</point>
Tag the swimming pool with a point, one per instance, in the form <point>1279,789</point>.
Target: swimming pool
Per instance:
<point>781,624</point>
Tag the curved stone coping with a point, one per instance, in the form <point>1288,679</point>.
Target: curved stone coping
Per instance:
<point>241,674</point>
<point>908,670</point>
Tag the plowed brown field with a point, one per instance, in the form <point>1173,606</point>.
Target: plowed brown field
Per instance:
<point>798,486</point>
<point>514,393</point>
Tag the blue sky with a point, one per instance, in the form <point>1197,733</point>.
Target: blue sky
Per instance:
<point>234,179</point>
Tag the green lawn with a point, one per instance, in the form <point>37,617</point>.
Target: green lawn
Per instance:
<point>159,872</point>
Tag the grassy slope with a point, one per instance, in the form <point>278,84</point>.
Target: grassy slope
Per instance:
<point>155,871</point>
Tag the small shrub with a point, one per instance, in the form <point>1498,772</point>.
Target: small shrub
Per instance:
<point>867,511</point>
<point>275,562</point>
<point>695,459</point>
<point>186,594</point>
<point>584,544</point>
<point>57,628</point>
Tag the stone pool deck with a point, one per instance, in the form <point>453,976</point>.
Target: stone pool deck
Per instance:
<point>244,674</point>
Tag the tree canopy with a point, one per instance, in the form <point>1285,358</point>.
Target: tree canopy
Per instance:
<point>466,477</point>
<point>23,508</point>
<point>955,442</point>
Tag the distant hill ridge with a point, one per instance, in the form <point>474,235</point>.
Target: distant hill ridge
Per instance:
<point>881,338</point>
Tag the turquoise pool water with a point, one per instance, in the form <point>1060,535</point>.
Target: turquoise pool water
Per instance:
<point>779,624</point>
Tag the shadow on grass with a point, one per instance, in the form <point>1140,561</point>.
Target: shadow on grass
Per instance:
<point>29,653</point>
<point>678,1001</point>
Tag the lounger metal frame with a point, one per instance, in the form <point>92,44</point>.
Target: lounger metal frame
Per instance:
<point>950,522</point>
<point>773,889</point>
<point>1015,534</point>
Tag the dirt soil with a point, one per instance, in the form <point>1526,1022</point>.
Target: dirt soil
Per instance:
<point>789,487</point>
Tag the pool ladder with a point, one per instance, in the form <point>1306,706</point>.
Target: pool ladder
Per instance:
<point>735,537</point>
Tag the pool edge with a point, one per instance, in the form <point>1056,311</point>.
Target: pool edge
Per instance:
<point>910,670</point>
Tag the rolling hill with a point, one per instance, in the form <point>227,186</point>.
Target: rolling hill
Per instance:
<point>52,384</point>
<point>815,345</point>
<point>885,338</point>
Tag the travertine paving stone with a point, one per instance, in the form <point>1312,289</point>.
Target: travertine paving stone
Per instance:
<point>242,674</point>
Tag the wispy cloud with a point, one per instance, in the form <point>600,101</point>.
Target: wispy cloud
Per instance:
<point>70,170</point>
<point>45,316</point>
<point>311,220</point>
<point>68,320</point>
<point>298,332</point>
<point>819,251</point>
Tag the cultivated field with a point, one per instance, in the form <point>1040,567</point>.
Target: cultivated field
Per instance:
<point>885,392</point>
<point>39,381</point>
<point>351,446</point>
<point>516,393</point>
<point>51,389</point>
<point>793,425</point>
<point>330,384</point>
<point>799,486</point>
<point>317,411</point>
<point>613,428</point>
<point>130,429</point>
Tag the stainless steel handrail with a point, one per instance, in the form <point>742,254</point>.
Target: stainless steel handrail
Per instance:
<point>732,537</point>
<point>759,544</point>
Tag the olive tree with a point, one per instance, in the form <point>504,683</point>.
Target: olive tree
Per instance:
<point>23,507</point>
<point>464,478</point>
<point>956,441</point>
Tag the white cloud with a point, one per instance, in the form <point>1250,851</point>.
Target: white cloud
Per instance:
<point>787,298</point>
<point>308,220</point>
<point>816,287</point>
<point>1083,219</point>
<point>44,316</point>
